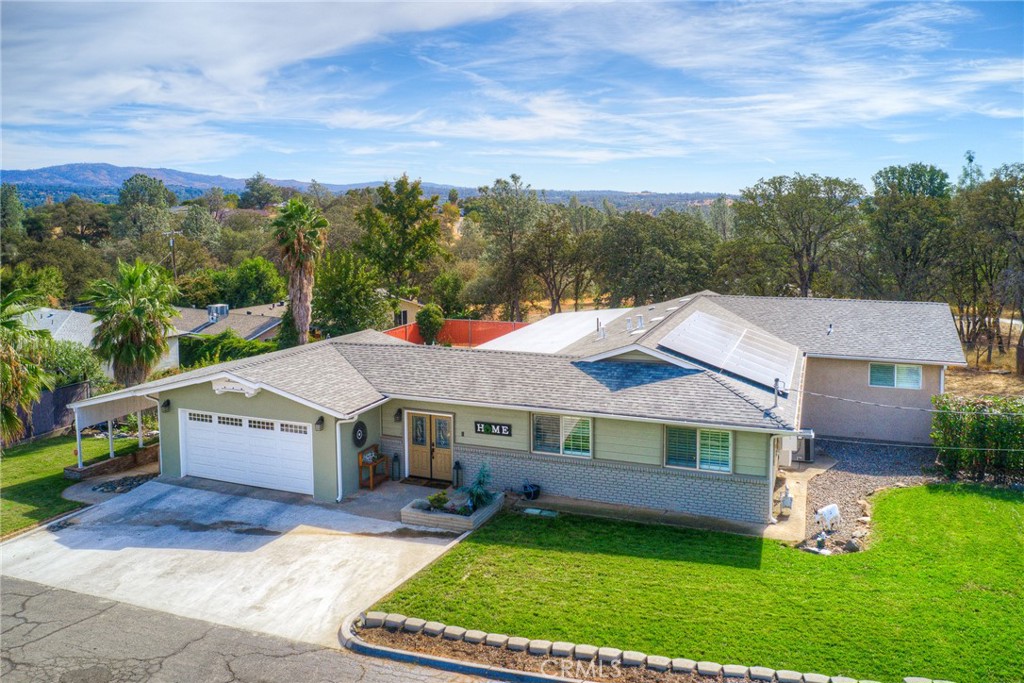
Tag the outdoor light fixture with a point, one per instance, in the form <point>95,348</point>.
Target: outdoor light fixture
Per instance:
<point>165,407</point>
<point>457,474</point>
<point>319,426</point>
<point>398,415</point>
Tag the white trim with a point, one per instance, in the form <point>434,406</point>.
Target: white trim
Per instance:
<point>653,353</point>
<point>608,416</point>
<point>883,359</point>
<point>561,436</point>
<point>942,379</point>
<point>405,435</point>
<point>732,450</point>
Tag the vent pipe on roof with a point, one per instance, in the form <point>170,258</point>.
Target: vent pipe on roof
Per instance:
<point>629,324</point>
<point>602,332</point>
<point>639,322</point>
<point>829,333</point>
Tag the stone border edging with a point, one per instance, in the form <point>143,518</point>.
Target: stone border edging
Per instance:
<point>353,642</point>
<point>606,655</point>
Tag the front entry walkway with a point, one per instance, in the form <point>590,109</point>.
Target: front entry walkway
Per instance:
<point>266,562</point>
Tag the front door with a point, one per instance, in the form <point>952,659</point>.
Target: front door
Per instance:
<point>430,446</point>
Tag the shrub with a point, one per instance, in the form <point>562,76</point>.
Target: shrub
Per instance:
<point>979,437</point>
<point>201,350</point>
<point>438,500</point>
<point>479,495</point>
<point>430,319</point>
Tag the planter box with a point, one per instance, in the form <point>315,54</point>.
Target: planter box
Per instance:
<point>120,463</point>
<point>449,522</point>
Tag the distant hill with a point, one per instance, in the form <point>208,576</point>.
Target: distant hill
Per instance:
<point>101,182</point>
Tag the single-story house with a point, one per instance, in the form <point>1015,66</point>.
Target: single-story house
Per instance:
<point>253,323</point>
<point>79,327</point>
<point>688,405</point>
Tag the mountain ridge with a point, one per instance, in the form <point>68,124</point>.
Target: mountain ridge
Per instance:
<point>100,182</point>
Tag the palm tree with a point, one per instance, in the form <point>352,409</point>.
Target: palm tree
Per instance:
<point>134,312</point>
<point>300,234</point>
<point>22,375</point>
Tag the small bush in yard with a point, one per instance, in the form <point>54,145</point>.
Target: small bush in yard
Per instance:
<point>980,437</point>
<point>478,493</point>
<point>438,500</point>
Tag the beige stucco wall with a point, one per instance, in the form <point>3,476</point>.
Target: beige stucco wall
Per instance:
<point>849,379</point>
<point>265,405</point>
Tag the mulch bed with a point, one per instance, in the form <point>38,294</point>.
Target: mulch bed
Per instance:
<point>523,661</point>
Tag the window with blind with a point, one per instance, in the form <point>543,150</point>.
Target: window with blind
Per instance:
<point>703,449</point>
<point>894,375</point>
<point>562,435</point>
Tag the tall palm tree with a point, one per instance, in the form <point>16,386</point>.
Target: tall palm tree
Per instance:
<point>134,312</point>
<point>300,232</point>
<point>22,375</point>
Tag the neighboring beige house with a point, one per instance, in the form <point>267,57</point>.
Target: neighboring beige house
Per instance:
<point>689,405</point>
<point>253,323</point>
<point>79,327</point>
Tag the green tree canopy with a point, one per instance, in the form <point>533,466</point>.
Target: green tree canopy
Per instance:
<point>11,211</point>
<point>259,193</point>
<point>807,216</point>
<point>134,313</point>
<point>508,211</point>
<point>401,234</point>
<point>199,224</point>
<point>144,189</point>
<point>347,296</point>
<point>910,218</point>
<point>47,282</point>
<point>256,281</point>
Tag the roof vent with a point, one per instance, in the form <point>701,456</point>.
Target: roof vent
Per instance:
<point>639,322</point>
<point>602,332</point>
<point>829,333</point>
<point>629,324</point>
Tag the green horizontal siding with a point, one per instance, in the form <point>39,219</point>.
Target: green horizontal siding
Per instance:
<point>750,454</point>
<point>638,442</point>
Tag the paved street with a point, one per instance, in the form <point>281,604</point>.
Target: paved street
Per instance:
<point>51,635</point>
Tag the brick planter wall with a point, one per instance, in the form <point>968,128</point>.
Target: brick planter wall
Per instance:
<point>143,456</point>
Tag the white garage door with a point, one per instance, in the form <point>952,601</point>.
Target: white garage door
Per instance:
<point>247,450</point>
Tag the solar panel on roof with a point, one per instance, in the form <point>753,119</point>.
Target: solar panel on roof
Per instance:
<point>735,348</point>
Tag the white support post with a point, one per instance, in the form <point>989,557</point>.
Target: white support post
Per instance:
<point>110,436</point>
<point>78,438</point>
<point>138,418</point>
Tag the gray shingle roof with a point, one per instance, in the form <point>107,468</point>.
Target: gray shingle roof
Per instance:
<point>62,325</point>
<point>347,374</point>
<point>883,330</point>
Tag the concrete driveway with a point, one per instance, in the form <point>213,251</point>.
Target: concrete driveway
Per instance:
<point>290,569</point>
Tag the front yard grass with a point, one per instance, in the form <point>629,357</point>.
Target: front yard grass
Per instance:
<point>940,592</point>
<point>32,478</point>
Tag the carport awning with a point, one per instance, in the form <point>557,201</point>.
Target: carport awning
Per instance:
<point>95,410</point>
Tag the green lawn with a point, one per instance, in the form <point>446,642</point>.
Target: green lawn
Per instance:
<point>939,594</point>
<point>32,478</point>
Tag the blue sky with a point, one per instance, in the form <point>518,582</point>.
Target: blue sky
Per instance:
<point>685,96</point>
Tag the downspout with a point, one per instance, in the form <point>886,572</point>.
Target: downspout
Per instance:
<point>337,443</point>
<point>773,443</point>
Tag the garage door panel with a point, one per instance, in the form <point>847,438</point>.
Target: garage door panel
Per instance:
<point>252,451</point>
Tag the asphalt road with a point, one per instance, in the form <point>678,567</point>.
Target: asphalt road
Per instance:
<point>53,635</point>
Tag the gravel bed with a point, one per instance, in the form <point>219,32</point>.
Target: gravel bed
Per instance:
<point>861,469</point>
<point>124,483</point>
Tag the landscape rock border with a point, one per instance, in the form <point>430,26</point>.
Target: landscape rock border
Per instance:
<point>607,655</point>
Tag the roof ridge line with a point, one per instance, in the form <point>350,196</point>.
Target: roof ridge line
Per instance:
<point>834,298</point>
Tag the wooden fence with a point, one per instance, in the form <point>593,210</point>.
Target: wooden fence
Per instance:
<point>459,332</point>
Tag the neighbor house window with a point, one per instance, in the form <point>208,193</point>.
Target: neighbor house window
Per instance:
<point>702,449</point>
<point>561,435</point>
<point>895,376</point>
